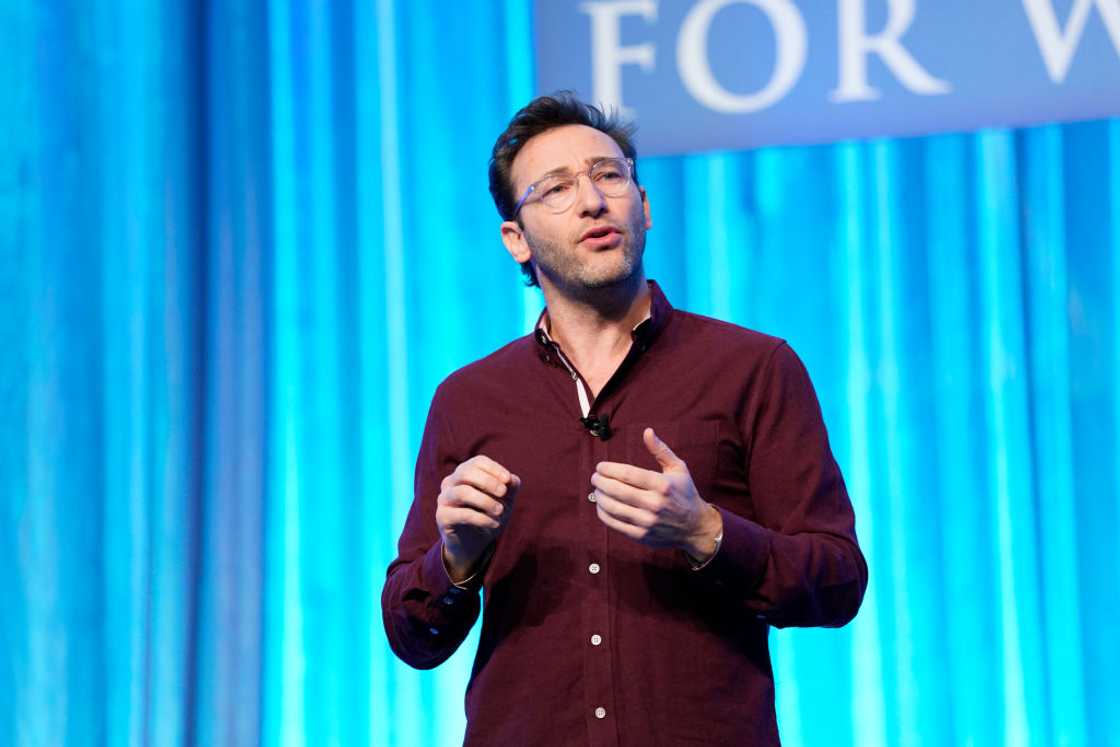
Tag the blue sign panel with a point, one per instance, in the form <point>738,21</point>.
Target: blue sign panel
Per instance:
<point>730,74</point>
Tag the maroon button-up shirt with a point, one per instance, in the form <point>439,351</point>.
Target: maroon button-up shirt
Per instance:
<point>589,637</point>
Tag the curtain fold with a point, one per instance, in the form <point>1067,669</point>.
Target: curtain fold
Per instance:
<point>242,242</point>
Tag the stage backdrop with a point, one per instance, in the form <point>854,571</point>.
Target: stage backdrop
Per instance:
<point>241,244</point>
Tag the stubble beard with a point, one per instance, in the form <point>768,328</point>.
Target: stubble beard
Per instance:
<point>566,271</point>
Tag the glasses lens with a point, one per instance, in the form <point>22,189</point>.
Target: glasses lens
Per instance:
<point>611,176</point>
<point>556,192</point>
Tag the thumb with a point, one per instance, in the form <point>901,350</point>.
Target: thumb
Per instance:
<point>661,452</point>
<point>512,486</point>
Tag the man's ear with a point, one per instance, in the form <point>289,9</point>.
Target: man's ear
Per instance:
<point>513,236</point>
<point>645,208</point>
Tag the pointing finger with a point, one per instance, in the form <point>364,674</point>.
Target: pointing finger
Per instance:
<point>637,476</point>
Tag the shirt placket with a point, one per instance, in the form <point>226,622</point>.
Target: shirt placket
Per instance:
<point>600,711</point>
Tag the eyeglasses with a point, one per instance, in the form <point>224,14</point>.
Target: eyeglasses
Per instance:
<point>611,176</point>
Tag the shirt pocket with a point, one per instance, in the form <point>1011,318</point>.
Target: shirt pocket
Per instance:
<point>696,442</point>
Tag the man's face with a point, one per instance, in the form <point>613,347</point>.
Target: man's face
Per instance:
<point>598,241</point>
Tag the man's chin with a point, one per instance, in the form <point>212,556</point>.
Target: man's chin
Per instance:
<point>611,272</point>
<point>613,279</point>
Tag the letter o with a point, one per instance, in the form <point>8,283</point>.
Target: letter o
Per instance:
<point>696,74</point>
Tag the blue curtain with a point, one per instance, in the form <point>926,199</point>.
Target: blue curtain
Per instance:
<point>240,244</point>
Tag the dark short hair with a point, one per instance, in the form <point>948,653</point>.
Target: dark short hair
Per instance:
<point>540,115</point>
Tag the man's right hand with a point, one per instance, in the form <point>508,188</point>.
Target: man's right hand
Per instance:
<point>474,505</point>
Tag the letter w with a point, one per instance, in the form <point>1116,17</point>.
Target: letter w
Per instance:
<point>1059,45</point>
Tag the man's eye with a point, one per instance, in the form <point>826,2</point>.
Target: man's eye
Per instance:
<point>608,171</point>
<point>555,188</point>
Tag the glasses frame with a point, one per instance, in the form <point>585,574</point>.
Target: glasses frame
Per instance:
<point>533,187</point>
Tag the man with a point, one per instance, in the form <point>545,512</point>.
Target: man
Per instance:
<point>638,492</point>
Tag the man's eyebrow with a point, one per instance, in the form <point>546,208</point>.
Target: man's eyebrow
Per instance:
<point>565,170</point>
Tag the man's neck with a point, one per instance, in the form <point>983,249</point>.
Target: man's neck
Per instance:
<point>594,331</point>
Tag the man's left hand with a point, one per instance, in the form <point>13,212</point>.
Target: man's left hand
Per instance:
<point>660,509</point>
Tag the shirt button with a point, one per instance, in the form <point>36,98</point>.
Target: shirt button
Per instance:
<point>433,631</point>
<point>600,712</point>
<point>591,496</point>
<point>596,639</point>
<point>448,601</point>
<point>593,568</point>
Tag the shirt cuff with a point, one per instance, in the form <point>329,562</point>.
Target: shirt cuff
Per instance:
<point>447,607</point>
<point>741,558</point>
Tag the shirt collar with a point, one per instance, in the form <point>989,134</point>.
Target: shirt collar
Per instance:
<point>643,334</point>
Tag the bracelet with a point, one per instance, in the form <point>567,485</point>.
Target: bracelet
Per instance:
<point>697,565</point>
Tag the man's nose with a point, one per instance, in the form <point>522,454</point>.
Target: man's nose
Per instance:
<point>589,199</point>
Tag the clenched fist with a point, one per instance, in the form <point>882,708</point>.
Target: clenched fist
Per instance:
<point>474,505</point>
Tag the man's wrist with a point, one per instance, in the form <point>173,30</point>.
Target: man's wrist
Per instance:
<point>460,573</point>
<point>703,544</point>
